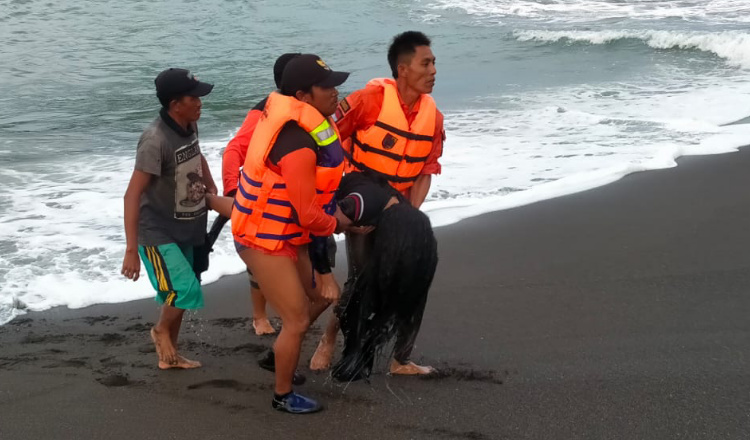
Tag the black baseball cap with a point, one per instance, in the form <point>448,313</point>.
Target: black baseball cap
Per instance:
<point>174,82</point>
<point>280,65</point>
<point>309,70</point>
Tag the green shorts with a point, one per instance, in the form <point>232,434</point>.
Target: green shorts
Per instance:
<point>170,269</point>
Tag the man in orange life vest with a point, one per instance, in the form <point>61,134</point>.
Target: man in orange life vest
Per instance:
<point>393,131</point>
<point>232,161</point>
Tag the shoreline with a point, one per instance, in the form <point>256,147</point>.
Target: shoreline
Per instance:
<point>454,212</point>
<point>618,312</point>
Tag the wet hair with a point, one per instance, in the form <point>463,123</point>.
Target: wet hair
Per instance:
<point>389,295</point>
<point>405,44</point>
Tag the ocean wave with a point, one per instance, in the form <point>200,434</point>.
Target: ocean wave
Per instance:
<point>726,11</point>
<point>62,243</point>
<point>732,46</point>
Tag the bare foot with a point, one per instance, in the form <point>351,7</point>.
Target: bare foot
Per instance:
<point>263,326</point>
<point>321,360</point>
<point>410,369</point>
<point>181,362</point>
<point>164,348</point>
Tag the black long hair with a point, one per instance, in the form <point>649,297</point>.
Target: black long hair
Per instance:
<point>391,291</point>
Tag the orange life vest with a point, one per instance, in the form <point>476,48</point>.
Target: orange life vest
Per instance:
<point>392,148</point>
<point>262,214</point>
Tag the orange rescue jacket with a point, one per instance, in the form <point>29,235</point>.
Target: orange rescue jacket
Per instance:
<point>263,214</point>
<point>391,147</point>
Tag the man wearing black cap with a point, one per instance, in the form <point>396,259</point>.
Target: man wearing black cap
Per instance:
<point>165,208</point>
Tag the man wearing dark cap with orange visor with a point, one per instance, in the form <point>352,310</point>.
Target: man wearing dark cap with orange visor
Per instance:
<point>165,208</point>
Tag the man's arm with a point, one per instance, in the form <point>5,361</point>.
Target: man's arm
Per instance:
<point>358,111</point>
<point>236,151</point>
<point>231,162</point>
<point>420,189</point>
<point>298,171</point>
<point>208,180</point>
<point>131,264</point>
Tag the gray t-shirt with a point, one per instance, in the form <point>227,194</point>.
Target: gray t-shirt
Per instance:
<point>173,207</point>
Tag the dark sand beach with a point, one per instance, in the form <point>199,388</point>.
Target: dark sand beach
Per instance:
<point>617,313</point>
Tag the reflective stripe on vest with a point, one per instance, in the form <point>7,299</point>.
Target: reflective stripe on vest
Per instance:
<point>391,148</point>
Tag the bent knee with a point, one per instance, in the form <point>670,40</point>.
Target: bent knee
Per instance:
<point>297,324</point>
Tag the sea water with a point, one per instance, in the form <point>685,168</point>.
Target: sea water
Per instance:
<point>541,98</point>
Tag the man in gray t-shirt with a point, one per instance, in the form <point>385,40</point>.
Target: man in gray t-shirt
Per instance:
<point>165,208</point>
<point>173,209</point>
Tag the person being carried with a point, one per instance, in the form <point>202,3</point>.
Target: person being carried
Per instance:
<point>232,161</point>
<point>388,296</point>
<point>393,130</point>
<point>165,208</point>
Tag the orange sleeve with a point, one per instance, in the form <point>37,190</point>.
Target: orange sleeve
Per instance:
<point>236,151</point>
<point>359,111</point>
<point>298,171</point>
<point>431,165</point>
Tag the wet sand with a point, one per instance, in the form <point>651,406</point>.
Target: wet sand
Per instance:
<point>621,312</point>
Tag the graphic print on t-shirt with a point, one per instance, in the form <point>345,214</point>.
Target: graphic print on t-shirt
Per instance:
<point>190,192</point>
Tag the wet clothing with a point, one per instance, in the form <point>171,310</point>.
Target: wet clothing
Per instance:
<point>391,270</point>
<point>359,249</point>
<point>173,275</point>
<point>360,197</point>
<point>173,206</point>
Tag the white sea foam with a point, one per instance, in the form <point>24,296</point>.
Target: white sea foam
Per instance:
<point>733,46</point>
<point>447,212</point>
<point>66,226</point>
<point>68,239</point>
<point>575,11</point>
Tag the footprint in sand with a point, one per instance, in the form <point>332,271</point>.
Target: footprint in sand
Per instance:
<point>112,339</point>
<point>114,380</point>
<point>464,374</point>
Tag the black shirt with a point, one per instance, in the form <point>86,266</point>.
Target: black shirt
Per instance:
<point>362,197</point>
<point>291,138</point>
